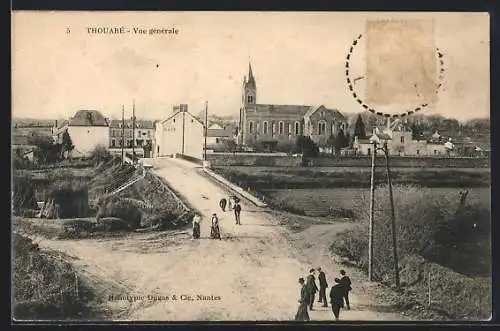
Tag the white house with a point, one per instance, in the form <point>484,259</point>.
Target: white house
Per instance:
<point>87,129</point>
<point>401,142</point>
<point>216,134</point>
<point>180,133</point>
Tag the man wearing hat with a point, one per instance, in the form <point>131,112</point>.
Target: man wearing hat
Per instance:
<point>302,314</point>
<point>322,287</point>
<point>311,287</point>
<point>337,298</point>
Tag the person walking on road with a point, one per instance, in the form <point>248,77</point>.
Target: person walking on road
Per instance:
<point>215,230</point>
<point>222,204</point>
<point>323,285</point>
<point>237,212</point>
<point>337,298</point>
<point>196,226</point>
<point>302,314</point>
<point>311,287</point>
<point>345,281</point>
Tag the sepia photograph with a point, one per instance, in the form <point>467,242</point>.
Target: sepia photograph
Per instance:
<point>250,166</point>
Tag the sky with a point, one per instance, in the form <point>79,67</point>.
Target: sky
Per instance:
<point>297,58</point>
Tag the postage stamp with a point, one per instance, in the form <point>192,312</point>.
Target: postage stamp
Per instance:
<point>401,65</point>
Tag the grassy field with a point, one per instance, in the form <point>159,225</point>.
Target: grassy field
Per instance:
<point>318,202</point>
<point>265,178</point>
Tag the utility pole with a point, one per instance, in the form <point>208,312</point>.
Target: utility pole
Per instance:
<point>372,214</point>
<point>393,217</point>
<point>133,130</point>
<point>123,134</point>
<point>206,131</point>
<point>183,128</point>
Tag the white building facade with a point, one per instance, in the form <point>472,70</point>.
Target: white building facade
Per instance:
<point>180,133</point>
<point>87,129</point>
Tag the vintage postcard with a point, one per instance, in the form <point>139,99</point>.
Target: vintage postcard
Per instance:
<point>251,166</point>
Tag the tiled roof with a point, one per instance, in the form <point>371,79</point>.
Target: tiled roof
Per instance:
<point>289,109</point>
<point>88,118</point>
<point>140,124</point>
<point>335,112</point>
<point>219,133</point>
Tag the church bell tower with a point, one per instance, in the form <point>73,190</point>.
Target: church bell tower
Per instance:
<point>249,88</point>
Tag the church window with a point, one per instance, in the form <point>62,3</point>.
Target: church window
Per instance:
<point>250,98</point>
<point>266,127</point>
<point>297,128</point>
<point>402,139</point>
<point>251,126</point>
<point>281,128</point>
<point>322,127</point>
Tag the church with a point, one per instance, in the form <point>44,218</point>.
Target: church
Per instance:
<point>269,123</point>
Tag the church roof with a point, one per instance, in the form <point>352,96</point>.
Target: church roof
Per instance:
<point>287,109</point>
<point>88,118</point>
<point>335,112</point>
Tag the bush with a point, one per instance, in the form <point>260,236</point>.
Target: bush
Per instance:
<point>100,154</point>
<point>71,196</point>
<point>23,193</point>
<point>125,209</point>
<point>438,229</point>
<point>44,286</point>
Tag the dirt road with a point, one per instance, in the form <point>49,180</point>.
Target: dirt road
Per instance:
<point>251,274</point>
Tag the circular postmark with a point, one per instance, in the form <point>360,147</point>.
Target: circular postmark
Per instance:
<point>362,103</point>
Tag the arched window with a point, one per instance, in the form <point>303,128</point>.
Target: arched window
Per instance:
<point>297,128</point>
<point>321,127</point>
<point>250,98</point>
<point>251,126</point>
<point>266,127</point>
<point>281,127</point>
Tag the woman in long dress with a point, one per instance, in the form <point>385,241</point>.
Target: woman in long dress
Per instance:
<point>302,314</point>
<point>215,230</point>
<point>196,226</point>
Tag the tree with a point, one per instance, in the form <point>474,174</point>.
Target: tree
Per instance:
<point>228,145</point>
<point>285,147</point>
<point>340,142</point>
<point>359,128</point>
<point>307,146</point>
<point>66,144</point>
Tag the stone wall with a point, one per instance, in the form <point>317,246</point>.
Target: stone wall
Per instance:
<point>344,161</point>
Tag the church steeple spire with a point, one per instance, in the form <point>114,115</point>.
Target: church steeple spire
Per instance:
<point>251,79</point>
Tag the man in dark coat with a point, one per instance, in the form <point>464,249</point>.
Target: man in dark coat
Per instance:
<point>302,314</point>
<point>312,288</point>
<point>345,281</point>
<point>237,212</point>
<point>337,298</point>
<point>322,287</point>
<point>222,204</point>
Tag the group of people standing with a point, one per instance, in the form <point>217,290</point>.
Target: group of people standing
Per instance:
<point>339,294</point>
<point>234,203</point>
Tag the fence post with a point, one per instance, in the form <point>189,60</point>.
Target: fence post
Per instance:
<point>429,286</point>
<point>76,286</point>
